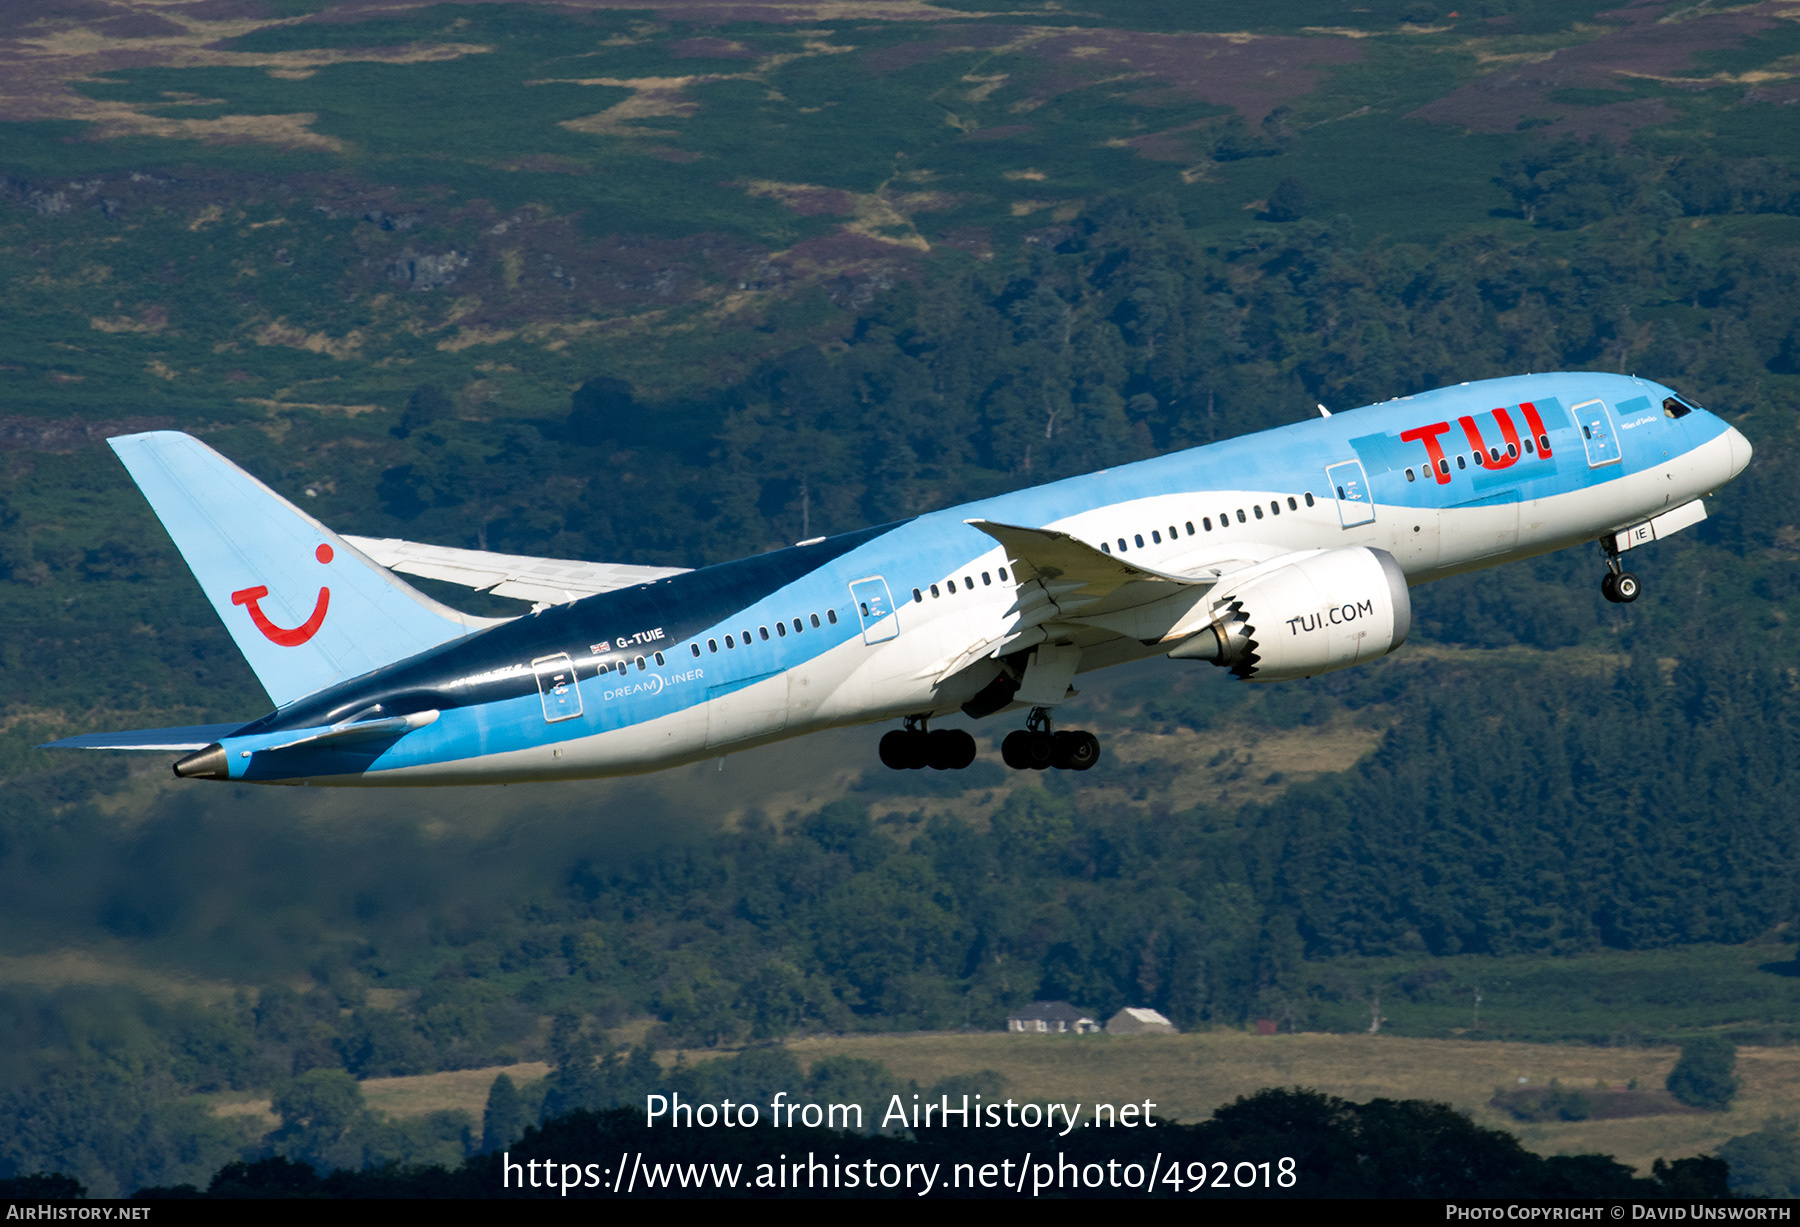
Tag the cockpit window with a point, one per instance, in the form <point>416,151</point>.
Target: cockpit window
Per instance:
<point>1675,407</point>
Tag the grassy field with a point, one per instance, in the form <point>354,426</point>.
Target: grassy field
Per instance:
<point>1188,1076</point>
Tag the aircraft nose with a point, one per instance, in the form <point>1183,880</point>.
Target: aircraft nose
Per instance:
<point>1740,450</point>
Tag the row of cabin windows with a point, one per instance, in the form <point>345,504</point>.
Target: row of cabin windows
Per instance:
<point>1206,524</point>
<point>968,583</point>
<point>1492,456</point>
<point>621,664</point>
<point>781,631</point>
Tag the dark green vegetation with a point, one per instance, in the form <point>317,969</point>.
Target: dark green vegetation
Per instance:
<point>827,291</point>
<point>1705,1076</point>
<point>1765,1163</point>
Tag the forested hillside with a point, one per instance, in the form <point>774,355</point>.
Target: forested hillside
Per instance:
<point>652,287</point>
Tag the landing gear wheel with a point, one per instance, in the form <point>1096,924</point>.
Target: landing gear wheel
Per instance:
<point>1040,750</point>
<point>1626,588</point>
<point>905,750</point>
<point>950,749</point>
<point>1013,752</point>
<point>1608,587</point>
<point>1076,750</point>
<point>896,750</point>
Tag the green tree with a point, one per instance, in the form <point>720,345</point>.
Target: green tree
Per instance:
<point>1766,1163</point>
<point>1705,1075</point>
<point>504,1118</point>
<point>323,1120</point>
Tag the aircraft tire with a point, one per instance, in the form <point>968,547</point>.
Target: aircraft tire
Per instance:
<point>1076,750</point>
<point>1609,587</point>
<point>896,750</point>
<point>1626,588</point>
<point>1040,751</point>
<point>1013,750</point>
<point>951,749</point>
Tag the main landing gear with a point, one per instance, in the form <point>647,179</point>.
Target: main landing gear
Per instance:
<point>1618,585</point>
<point>912,748</point>
<point>1035,747</point>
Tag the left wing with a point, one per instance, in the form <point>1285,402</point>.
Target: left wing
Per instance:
<point>546,581</point>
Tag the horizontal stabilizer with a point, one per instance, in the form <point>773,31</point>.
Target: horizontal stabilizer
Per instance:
<point>194,737</point>
<point>549,581</point>
<point>360,730</point>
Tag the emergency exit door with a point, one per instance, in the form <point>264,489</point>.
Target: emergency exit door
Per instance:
<point>876,609</point>
<point>1351,487</point>
<point>557,688</point>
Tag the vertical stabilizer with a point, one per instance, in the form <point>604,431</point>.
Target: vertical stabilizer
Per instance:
<point>306,608</point>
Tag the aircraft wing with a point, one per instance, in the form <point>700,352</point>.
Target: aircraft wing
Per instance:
<point>1068,587</point>
<point>548,581</point>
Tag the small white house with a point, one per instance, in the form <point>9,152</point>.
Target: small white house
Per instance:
<point>1051,1017</point>
<point>1134,1020</point>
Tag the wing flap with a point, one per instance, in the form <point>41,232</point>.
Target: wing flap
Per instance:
<point>544,580</point>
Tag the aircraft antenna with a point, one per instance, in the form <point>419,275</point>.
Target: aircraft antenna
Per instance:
<point>1324,412</point>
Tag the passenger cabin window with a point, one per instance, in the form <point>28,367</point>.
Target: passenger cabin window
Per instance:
<point>1258,510</point>
<point>917,595</point>
<point>660,660</point>
<point>763,631</point>
<point>695,647</point>
<point>1105,548</point>
<point>1292,505</point>
<point>1275,507</point>
<point>640,664</point>
<point>950,586</point>
<point>798,626</point>
<point>1241,519</point>
<point>712,645</point>
<point>1121,545</point>
<point>1206,523</point>
<point>1528,444</point>
<point>986,582</point>
<point>815,617</point>
<point>1461,463</point>
<point>1139,538</point>
<point>1155,537</point>
<point>1309,498</point>
<point>831,615</point>
<point>1543,443</point>
<point>968,583</point>
<point>781,629</point>
<point>730,642</point>
<point>1190,528</point>
<point>1001,572</point>
<point>934,592</point>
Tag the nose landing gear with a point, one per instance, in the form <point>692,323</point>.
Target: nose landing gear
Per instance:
<point>1035,747</point>
<point>1618,585</point>
<point>913,748</point>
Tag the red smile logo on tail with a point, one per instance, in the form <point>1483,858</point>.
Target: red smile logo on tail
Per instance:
<point>285,637</point>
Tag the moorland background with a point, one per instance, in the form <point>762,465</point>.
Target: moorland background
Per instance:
<point>670,284</point>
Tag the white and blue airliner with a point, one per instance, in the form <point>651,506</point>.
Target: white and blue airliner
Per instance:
<point>1277,555</point>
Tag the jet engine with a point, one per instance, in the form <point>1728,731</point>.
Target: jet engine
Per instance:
<point>1311,614</point>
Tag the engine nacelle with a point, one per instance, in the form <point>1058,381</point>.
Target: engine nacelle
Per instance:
<point>1322,611</point>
